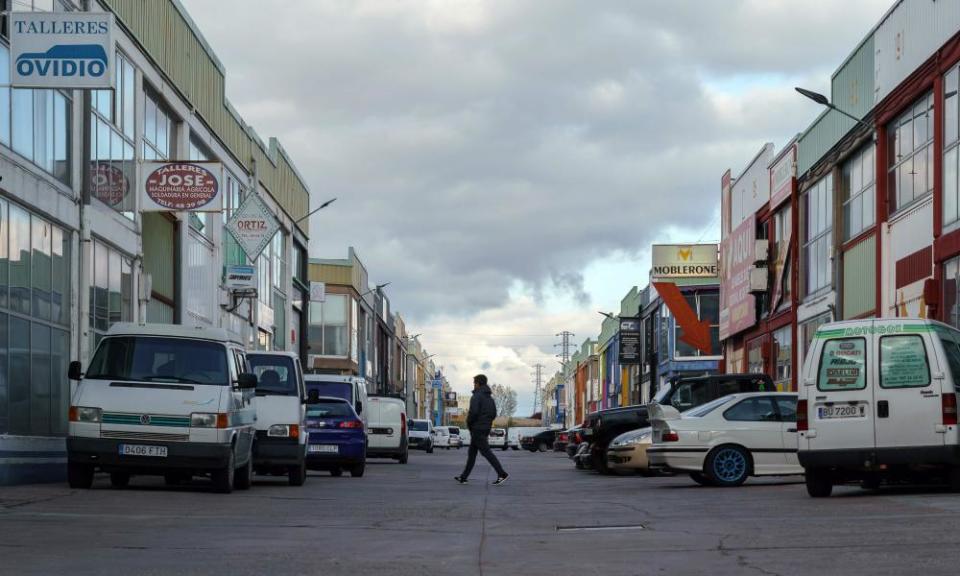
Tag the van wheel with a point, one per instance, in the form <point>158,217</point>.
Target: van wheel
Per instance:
<point>727,466</point>
<point>119,479</point>
<point>223,478</point>
<point>700,479</point>
<point>404,457</point>
<point>243,477</point>
<point>297,475</point>
<point>80,476</point>
<point>542,447</point>
<point>819,483</point>
<point>357,471</point>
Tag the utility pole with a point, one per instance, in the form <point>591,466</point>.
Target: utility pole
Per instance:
<point>565,345</point>
<point>538,381</point>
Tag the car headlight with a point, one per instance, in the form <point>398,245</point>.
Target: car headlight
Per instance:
<point>203,420</point>
<point>85,414</point>
<point>283,431</point>
<point>642,439</point>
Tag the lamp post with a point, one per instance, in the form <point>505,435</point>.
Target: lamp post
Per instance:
<point>824,101</point>
<point>312,212</point>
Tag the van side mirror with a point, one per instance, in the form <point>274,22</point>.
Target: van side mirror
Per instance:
<point>247,381</point>
<point>75,372</point>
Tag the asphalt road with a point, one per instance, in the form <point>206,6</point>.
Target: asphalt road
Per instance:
<point>415,520</point>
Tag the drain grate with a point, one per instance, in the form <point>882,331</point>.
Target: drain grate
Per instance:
<point>600,528</point>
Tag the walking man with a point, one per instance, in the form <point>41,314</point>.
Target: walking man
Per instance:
<point>483,411</point>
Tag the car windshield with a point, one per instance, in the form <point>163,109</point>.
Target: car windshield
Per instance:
<point>160,359</point>
<point>329,410</point>
<point>455,431</point>
<point>701,411</point>
<point>419,426</point>
<point>276,375</point>
<point>332,389</point>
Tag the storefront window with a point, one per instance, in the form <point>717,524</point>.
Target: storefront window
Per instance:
<point>858,193</point>
<point>818,203</point>
<point>782,233</point>
<point>910,154</point>
<point>951,147</point>
<point>328,326</point>
<point>707,307</point>
<point>755,357</point>
<point>783,348</point>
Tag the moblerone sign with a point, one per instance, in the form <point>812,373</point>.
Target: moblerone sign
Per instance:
<point>684,261</point>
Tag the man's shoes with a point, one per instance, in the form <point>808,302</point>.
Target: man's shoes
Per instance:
<point>460,479</point>
<point>501,479</point>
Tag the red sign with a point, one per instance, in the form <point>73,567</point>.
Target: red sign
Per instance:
<point>108,183</point>
<point>781,178</point>
<point>696,332</point>
<point>738,253</point>
<point>182,186</point>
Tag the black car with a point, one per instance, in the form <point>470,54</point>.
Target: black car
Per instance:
<point>540,442</point>
<point>683,394</point>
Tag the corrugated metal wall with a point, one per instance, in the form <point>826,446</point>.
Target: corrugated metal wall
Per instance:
<point>168,38</point>
<point>860,278</point>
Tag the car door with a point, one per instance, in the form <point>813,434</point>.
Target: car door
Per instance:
<point>245,411</point>
<point>840,391</point>
<point>755,424</point>
<point>787,412</point>
<point>908,395</point>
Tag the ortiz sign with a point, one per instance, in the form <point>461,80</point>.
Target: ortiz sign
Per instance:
<point>253,225</point>
<point>181,187</point>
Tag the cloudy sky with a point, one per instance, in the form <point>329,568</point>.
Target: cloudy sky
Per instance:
<point>506,164</point>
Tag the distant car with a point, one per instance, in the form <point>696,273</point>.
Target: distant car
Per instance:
<point>574,438</point>
<point>455,440</point>
<point>514,433</point>
<point>420,435</point>
<point>498,438</point>
<point>465,436</point>
<point>540,442</point>
<point>336,438</point>
<point>560,444</point>
<point>724,442</point>
<point>441,437</point>
<point>628,451</point>
<point>602,427</point>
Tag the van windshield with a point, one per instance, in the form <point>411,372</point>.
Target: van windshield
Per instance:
<point>332,389</point>
<point>419,426</point>
<point>159,359</point>
<point>276,375</point>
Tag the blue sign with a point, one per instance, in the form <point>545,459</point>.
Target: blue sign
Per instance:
<point>437,383</point>
<point>70,50</point>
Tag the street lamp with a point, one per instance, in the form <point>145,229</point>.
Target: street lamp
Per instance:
<point>376,288</point>
<point>311,213</point>
<point>824,101</point>
<point>607,314</point>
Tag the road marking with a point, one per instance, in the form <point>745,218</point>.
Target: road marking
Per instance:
<point>600,528</point>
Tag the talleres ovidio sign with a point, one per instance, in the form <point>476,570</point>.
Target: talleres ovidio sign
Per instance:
<point>684,261</point>
<point>181,187</point>
<point>71,50</point>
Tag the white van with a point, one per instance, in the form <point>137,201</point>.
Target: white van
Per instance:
<point>387,434</point>
<point>878,401</point>
<point>281,443</point>
<point>353,389</point>
<point>420,435</point>
<point>167,400</point>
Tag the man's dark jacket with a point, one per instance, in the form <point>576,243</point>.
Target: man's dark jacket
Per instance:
<point>483,410</point>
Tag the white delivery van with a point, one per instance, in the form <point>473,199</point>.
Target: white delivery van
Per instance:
<point>281,443</point>
<point>353,389</point>
<point>420,435</point>
<point>387,432</point>
<point>878,401</point>
<point>163,399</point>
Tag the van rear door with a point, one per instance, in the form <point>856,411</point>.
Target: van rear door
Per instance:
<point>839,389</point>
<point>908,397</point>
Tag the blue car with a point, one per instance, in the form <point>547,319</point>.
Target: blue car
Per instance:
<point>337,440</point>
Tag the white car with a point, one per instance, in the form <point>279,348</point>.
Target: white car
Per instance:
<point>441,437</point>
<point>498,438</point>
<point>455,440</point>
<point>725,441</point>
<point>420,435</point>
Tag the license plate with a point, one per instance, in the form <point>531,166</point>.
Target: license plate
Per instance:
<point>833,412</point>
<point>324,449</point>
<point>141,450</point>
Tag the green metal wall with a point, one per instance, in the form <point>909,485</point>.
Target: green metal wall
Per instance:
<point>167,37</point>
<point>860,278</point>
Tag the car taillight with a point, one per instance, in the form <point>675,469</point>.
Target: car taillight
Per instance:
<point>669,436</point>
<point>948,403</point>
<point>350,424</point>
<point>579,438</point>
<point>803,423</point>
<point>403,424</point>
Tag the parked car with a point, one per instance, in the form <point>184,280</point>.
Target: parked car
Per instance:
<point>723,442</point>
<point>628,451</point>
<point>498,438</point>
<point>167,400</point>
<point>387,432</point>
<point>682,394</point>
<point>353,389</point>
<point>441,437</point>
<point>465,436</point>
<point>583,459</point>
<point>455,440</point>
<point>337,440</point>
<point>281,442</point>
<point>540,442</point>
<point>563,438</point>
<point>878,402</point>
<point>574,439</point>
<point>420,435</point>
<point>514,434</point>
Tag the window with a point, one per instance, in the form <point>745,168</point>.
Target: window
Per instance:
<point>707,307</point>
<point>234,194</point>
<point>36,123</point>
<point>782,232</point>
<point>111,290</point>
<point>755,364</point>
<point>278,262</point>
<point>111,141</point>
<point>809,330</point>
<point>690,394</point>
<point>843,365</point>
<point>276,375</point>
<point>951,292</point>
<point>157,359</point>
<point>903,362</point>
<point>910,154</point>
<point>951,147</point>
<point>328,326</point>
<point>157,129</point>
<point>858,192</point>
<point>950,340</point>
<point>199,221</point>
<point>817,248</point>
<point>783,349</point>
<point>756,409</point>
<point>787,408</point>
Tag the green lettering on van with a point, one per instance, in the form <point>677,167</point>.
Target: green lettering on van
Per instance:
<point>881,329</point>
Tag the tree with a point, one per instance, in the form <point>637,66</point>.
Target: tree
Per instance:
<point>506,400</point>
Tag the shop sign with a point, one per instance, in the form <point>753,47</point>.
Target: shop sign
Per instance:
<point>781,178</point>
<point>738,306</point>
<point>108,183</point>
<point>437,383</point>
<point>630,352</point>
<point>240,278</point>
<point>684,261</point>
<point>181,187</point>
<point>69,50</point>
<point>253,225</point>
